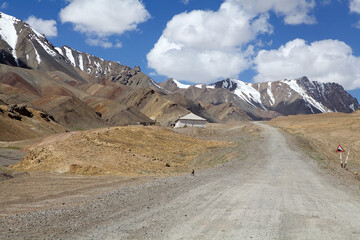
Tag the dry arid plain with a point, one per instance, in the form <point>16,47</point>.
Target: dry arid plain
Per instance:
<point>251,181</point>
<point>69,164</point>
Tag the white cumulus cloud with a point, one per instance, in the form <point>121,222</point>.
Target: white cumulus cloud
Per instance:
<point>294,11</point>
<point>202,46</point>
<point>323,61</point>
<point>355,6</point>
<point>99,19</point>
<point>195,65</point>
<point>47,27</point>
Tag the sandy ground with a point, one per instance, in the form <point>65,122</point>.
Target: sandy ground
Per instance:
<point>271,191</point>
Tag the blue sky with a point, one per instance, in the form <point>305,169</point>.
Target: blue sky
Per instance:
<point>202,41</point>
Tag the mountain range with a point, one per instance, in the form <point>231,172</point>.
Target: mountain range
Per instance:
<point>82,91</point>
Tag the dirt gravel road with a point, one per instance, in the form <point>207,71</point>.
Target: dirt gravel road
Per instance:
<point>277,192</point>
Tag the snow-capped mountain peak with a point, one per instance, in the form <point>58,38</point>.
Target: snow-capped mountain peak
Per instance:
<point>310,96</point>
<point>246,91</point>
<point>23,46</point>
<point>310,101</point>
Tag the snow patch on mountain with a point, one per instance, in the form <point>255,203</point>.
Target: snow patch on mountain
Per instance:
<point>352,107</point>
<point>88,57</point>
<point>43,42</point>
<point>308,99</point>
<point>60,51</point>
<point>270,94</point>
<point>70,56</point>
<point>156,85</point>
<point>180,85</point>
<point>47,48</point>
<point>186,86</point>
<point>37,56</point>
<point>228,84</point>
<point>81,62</point>
<point>8,32</point>
<point>248,93</point>
<point>38,59</point>
<point>108,70</point>
<point>98,68</point>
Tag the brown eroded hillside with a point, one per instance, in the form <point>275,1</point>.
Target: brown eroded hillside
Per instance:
<point>227,112</point>
<point>324,132</point>
<point>126,151</point>
<point>70,112</point>
<point>154,105</point>
<point>21,122</point>
<point>73,104</point>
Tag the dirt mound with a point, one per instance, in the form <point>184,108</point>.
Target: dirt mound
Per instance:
<point>324,132</point>
<point>130,151</point>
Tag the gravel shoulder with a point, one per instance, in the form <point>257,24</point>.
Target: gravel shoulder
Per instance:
<point>270,190</point>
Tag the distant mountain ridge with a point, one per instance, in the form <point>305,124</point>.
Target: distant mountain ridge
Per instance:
<point>286,97</point>
<point>300,95</point>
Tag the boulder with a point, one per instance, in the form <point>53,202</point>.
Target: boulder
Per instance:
<point>14,116</point>
<point>21,109</point>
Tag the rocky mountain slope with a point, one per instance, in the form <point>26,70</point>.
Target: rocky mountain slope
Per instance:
<point>80,90</point>
<point>23,46</point>
<point>108,70</point>
<point>297,96</point>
